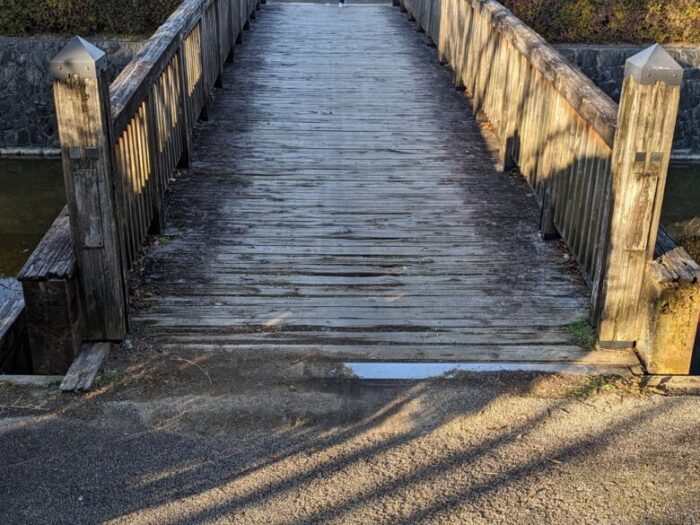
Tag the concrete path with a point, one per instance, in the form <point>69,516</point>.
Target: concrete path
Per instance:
<point>178,438</point>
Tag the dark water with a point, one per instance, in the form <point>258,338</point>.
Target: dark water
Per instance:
<point>682,197</point>
<point>31,196</point>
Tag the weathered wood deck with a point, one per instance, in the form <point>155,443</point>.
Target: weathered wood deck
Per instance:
<point>343,201</point>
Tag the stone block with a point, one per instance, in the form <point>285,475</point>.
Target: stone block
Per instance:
<point>27,116</point>
<point>604,64</point>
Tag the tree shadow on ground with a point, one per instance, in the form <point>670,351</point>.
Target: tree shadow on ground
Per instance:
<point>192,458</point>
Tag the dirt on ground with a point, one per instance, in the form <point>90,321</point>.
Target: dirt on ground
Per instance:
<point>171,438</point>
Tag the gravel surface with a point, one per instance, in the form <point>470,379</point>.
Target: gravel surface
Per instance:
<point>224,438</point>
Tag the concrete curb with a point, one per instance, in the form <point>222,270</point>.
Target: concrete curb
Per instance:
<point>673,385</point>
<point>15,153</point>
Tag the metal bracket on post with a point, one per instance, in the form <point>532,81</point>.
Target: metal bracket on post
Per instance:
<point>80,58</point>
<point>641,155</point>
<point>654,65</point>
<point>83,113</point>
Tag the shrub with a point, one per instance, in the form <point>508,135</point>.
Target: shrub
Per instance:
<point>86,17</point>
<point>574,21</point>
<point>611,21</point>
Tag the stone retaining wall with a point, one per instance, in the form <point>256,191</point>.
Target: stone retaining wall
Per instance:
<point>26,101</point>
<point>27,116</point>
<point>605,65</point>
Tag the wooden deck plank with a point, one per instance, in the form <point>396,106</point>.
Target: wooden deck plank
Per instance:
<point>83,371</point>
<point>342,201</point>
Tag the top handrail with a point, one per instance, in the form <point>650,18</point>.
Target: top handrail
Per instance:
<point>131,86</point>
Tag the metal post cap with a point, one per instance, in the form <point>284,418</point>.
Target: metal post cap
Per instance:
<point>653,65</point>
<point>79,57</point>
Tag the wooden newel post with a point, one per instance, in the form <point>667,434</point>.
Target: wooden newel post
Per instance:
<point>641,154</point>
<point>81,94</point>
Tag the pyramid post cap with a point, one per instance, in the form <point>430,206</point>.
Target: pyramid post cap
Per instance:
<point>653,65</point>
<point>78,57</point>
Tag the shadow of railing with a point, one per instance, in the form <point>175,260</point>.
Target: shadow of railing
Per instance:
<point>380,444</point>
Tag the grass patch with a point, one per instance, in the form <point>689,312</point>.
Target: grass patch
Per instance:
<point>583,332</point>
<point>107,377</point>
<point>84,17</point>
<point>54,383</point>
<point>595,385</point>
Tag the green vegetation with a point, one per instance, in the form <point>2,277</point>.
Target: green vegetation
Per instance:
<point>611,21</point>
<point>107,377</point>
<point>583,333</point>
<point>573,21</point>
<point>599,384</point>
<point>84,17</point>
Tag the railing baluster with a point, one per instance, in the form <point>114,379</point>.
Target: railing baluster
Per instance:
<point>185,105</point>
<point>156,164</point>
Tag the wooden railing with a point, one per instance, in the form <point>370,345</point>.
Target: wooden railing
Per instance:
<point>157,98</point>
<point>120,146</point>
<point>597,169</point>
<point>553,122</point>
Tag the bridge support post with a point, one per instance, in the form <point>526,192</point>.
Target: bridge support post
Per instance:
<point>641,155</point>
<point>206,83</point>
<point>81,94</point>
<point>548,230</point>
<point>232,22</point>
<point>158,196</point>
<point>218,23</point>
<point>184,161</point>
<point>204,115</point>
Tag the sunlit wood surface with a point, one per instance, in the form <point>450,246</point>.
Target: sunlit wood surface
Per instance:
<point>343,201</point>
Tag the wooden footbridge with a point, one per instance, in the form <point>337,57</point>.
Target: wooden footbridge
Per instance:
<point>342,199</point>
